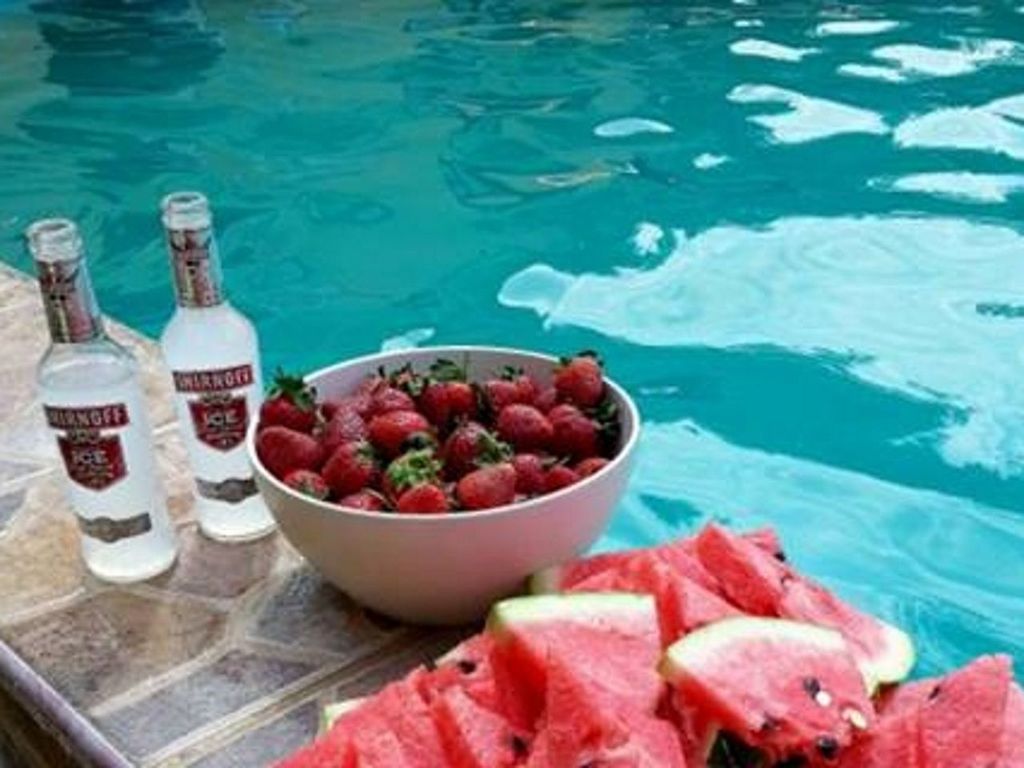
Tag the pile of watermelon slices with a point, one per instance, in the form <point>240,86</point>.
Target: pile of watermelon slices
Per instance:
<point>707,651</point>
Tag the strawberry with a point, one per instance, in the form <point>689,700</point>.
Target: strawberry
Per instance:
<point>390,431</point>
<point>580,381</point>
<point>307,482</point>
<point>351,468</point>
<point>359,403</point>
<point>591,466</point>
<point>490,486</point>
<point>344,427</point>
<point>366,499</point>
<point>413,468</point>
<point>498,393</point>
<point>282,450</point>
<point>407,380</point>
<point>423,499</point>
<point>575,434</point>
<point>558,477</point>
<point>290,403</point>
<point>469,446</point>
<point>389,399</point>
<point>444,402</point>
<point>526,428</point>
<point>529,473</point>
<point>546,399</point>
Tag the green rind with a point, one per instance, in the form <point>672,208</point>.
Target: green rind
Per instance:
<point>519,611</point>
<point>546,581</point>
<point>707,642</point>
<point>895,663</point>
<point>331,712</point>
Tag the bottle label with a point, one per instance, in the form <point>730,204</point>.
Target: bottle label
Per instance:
<point>90,443</point>
<point>195,266</point>
<point>71,310</point>
<point>108,530</point>
<point>220,415</point>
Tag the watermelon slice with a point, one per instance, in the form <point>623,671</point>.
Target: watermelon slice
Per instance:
<point>680,554</point>
<point>789,689</point>
<point>762,585</point>
<point>585,725</point>
<point>613,636</point>
<point>1013,729</point>
<point>408,717</point>
<point>962,723</point>
<point>476,737</point>
<point>683,604</point>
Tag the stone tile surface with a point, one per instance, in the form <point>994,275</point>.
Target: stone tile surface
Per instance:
<point>212,569</point>
<point>306,611</point>
<point>10,502</point>
<point>112,641</point>
<point>269,742</point>
<point>232,681</point>
<point>16,471</point>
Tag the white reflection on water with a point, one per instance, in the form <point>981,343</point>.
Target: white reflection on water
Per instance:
<point>994,127</point>
<point>855,27</point>
<point>872,72</point>
<point>898,297</point>
<point>408,340</point>
<point>706,160</point>
<point>766,49</point>
<point>950,62</point>
<point>959,185</point>
<point>808,118</point>
<point>629,126</point>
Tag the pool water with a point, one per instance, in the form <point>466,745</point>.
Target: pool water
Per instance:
<point>792,229</point>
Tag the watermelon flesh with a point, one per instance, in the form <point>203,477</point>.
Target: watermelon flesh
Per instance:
<point>613,635</point>
<point>1013,730</point>
<point>761,585</point>
<point>476,737</point>
<point>788,689</point>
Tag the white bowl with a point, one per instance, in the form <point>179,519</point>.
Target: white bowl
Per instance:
<point>446,569</point>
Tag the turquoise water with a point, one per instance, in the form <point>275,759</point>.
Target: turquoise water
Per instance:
<point>796,239</point>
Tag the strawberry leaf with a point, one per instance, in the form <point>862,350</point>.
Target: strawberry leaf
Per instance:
<point>414,468</point>
<point>447,370</point>
<point>294,389</point>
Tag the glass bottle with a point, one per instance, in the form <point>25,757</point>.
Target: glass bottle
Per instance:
<point>93,402</point>
<point>213,354</point>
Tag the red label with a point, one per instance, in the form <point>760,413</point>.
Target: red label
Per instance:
<point>217,380</point>
<point>92,459</point>
<point>220,420</point>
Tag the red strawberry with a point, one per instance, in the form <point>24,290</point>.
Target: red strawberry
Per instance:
<point>282,449</point>
<point>359,403</point>
<point>546,399</point>
<point>290,403</point>
<point>444,402</point>
<point>390,399</point>
<point>575,434</point>
<point>368,500</point>
<point>580,380</point>
<point>418,467</point>
<point>526,428</point>
<point>591,466</point>
<point>389,431</point>
<point>558,477</point>
<point>490,486</point>
<point>307,482</point>
<point>371,384</point>
<point>344,427</point>
<point>529,473</point>
<point>351,468</point>
<point>469,446</point>
<point>498,393</point>
<point>423,499</point>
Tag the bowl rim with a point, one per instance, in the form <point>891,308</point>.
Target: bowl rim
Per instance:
<point>628,445</point>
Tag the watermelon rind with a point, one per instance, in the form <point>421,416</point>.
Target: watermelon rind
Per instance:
<point>545,581</point>
<point>893,663</point>
<point>331,712</point>
<point>621,606</point>
<point>705,644</point>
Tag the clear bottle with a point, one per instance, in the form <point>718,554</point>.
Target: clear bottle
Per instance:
<point>93,402</point>
<point>213,354</point>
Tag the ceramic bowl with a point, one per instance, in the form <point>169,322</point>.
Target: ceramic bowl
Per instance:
<point>446,569</point>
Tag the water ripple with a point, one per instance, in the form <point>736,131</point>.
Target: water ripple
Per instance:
<point>808,118</point>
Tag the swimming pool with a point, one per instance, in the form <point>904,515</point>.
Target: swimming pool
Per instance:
<point>792,229</point>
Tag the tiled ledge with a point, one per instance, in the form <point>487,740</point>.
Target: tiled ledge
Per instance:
<point>222,662</point>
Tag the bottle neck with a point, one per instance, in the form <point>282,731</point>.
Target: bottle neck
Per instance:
<point>71,309</point>
<point>195,266</point>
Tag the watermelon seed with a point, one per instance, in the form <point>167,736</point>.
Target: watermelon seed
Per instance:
<point>813,686</point>
<point>823,699</point>
<point>466,666</point>
<point>935,693</point>
<point>771,723</point>
<point>855,718</point>
<point>519,746</point>
<point>828,747</point>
